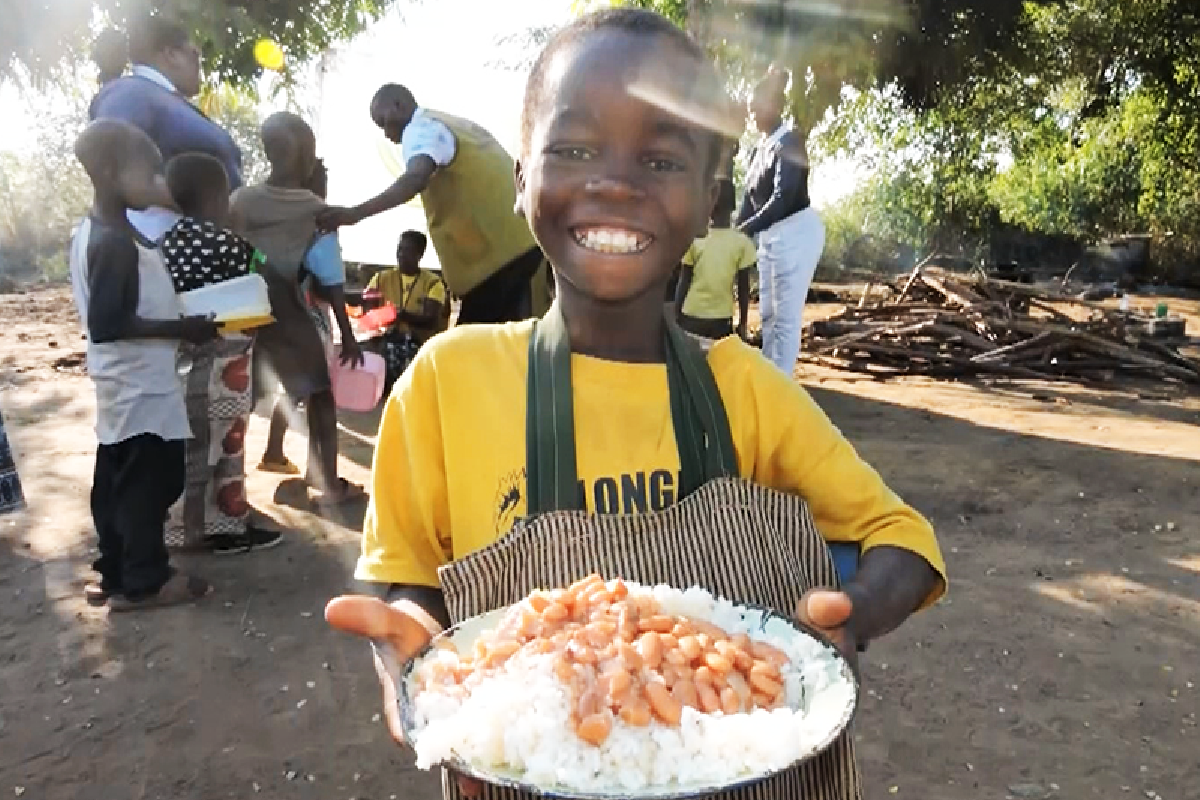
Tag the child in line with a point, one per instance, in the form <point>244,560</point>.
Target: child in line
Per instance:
<point>200,251</point>
<point>305,276</point>
<point>420,298</point>
<point>700,468</point>
<point>274,458</point>
<point>124,296</point>
<point>711,267</point>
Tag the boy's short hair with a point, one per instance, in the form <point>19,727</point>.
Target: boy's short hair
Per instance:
<point>418,240</point>
<point>286,137</point>
<point>711,95</point>
<point>193,178</point>
<point>106,145</point>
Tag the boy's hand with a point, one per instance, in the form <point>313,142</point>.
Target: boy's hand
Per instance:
<point>830,611</point>
<point>331,218</point>
<point>397,633</point>
<point>352,353</point>
<point>199,329</point>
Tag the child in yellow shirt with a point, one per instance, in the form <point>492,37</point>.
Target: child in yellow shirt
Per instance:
<point>711,267</point>
<point>616,187</point>
<point>419,295</point>
<point>420,299</point>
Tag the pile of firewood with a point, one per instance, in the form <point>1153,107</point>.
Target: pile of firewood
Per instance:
<point>953,326</point>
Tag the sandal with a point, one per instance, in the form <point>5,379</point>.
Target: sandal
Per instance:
<point>95,595</point>
<point>179,590</point>
<point>284,467</point>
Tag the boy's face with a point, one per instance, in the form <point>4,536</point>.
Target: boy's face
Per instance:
<point>138,175</point>
<point>615,188</point>
<point>216,206</point>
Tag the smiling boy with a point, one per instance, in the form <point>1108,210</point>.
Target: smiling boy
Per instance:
<point>617,177</point>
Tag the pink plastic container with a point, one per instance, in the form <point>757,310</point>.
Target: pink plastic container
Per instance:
<point>357,389</point>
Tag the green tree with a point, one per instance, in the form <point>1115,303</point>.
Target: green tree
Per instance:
<point>237,112</point>
<point>924,48</point>
<point>43,192</point>
<point>39,37</point>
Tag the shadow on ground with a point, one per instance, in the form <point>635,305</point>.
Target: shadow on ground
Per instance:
<point>1063,663</point>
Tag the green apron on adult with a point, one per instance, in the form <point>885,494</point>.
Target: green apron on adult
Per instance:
<point>745,542</point>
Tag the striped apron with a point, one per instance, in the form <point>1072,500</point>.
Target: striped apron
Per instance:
<point>745,542</point>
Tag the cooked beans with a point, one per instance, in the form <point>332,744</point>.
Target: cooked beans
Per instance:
<point>668,709</point>
<point>622,658</point>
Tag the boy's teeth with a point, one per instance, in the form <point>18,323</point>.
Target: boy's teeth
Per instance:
<point>610,241</point>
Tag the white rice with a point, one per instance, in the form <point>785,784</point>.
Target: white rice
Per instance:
<point>517,720</point>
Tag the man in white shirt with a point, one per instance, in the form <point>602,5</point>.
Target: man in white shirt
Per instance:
<point>467,186</point>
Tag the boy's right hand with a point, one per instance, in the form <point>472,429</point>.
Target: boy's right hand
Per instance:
<point>199,329</point>
<point>397,633</point>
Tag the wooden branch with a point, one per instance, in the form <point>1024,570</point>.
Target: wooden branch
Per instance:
<point>913,276</point>
<point>1038,341</point>
<point>953,291</point>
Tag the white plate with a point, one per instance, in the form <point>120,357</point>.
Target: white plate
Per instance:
<point>839,701</point>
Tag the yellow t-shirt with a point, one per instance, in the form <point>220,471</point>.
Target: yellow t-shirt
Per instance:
<point>449,471</point>
<point>398,289</point>
<point>716,259</point>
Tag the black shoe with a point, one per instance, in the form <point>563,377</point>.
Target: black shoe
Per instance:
<point>238,543</point>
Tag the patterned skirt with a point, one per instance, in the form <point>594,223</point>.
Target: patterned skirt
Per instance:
<point>219,402</point>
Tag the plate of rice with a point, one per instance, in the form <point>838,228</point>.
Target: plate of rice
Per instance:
<point>608,689</point>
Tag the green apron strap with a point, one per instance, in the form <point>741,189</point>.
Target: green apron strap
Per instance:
<point>701,426</point>
<point>702,431</point>
<point>551,473</point>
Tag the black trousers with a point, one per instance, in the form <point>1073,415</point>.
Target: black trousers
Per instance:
<point>708,328</point>
<point>506,296</point>
<point>135,483</point>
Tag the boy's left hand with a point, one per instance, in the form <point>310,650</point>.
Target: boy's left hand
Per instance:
<point>352,354</point>
<point>829,611</point>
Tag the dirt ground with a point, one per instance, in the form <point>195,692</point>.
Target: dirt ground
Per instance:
<point>1064,662</point>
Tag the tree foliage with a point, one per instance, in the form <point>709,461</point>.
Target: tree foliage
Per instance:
<point>43,192</point>
<point>39,37</point>
<point>1077,119</point>
<point>925,48</point>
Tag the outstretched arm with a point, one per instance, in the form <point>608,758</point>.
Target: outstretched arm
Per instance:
<point>414,180</point>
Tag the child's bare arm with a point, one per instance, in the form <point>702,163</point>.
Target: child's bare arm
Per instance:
<point>351,351</point>
<point>429,598</point>
<point>891,584</point>
<point>743,295</point>
<point>427,317</point>
<point>113,287</point>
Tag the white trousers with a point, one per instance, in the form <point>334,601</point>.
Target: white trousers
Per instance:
<point>788,253</point>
